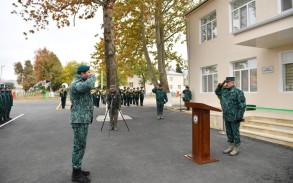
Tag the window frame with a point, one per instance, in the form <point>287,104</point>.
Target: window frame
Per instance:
<point>206,25</point>
<point>282,71</point>
<point>280,6</point>
<point>214,74</point>
<point>248,69</point>
<point>248,23</point>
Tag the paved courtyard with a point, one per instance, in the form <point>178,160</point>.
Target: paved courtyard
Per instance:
<point>36,148</point>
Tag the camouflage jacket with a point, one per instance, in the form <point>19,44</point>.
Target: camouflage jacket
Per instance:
<point>233,103</point>
<point>187,95</point>
<point>161,95</point>
<point>81,99</point>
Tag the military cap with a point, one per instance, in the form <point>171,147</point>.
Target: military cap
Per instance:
<point>112,87</point>
<point>160,85</point>
<point>230,79</point>
<point>186,86</point>
<point>83,68</point>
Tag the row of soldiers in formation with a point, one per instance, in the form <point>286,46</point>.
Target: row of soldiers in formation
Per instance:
<point>129,96</point>
<point>6,102</point>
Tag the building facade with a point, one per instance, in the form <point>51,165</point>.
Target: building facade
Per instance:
<point>249,39</point>
<point>175,81</point>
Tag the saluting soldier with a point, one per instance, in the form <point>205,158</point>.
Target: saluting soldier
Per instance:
<point>141,96</point>
<point>161,98</point>
<point>80,118</point>
<point>233,104</point>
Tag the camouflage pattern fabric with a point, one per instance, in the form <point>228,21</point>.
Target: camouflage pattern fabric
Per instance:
<point>114,104</point>
<point>81,99</point>
<point>187,95</point>
<point>233,103</point>
<point>161,98</point>
<point>232,131</point>
<point>80,134</point>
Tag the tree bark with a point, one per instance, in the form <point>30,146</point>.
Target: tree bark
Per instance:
<point>110,51</point>
<point>145,51</point>
<point>159,27</point>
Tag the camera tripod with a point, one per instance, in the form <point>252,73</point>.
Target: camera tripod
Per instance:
<point>110,119</point>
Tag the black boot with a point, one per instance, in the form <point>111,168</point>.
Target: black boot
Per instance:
<point>77,176</point>
<point>85,173</point>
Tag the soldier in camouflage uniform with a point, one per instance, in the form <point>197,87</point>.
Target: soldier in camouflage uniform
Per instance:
<point>233,104</point>
<point>161,98</point>
<point>141,96</point>
<point>187,95</point>
<point>63,95</point>
<point>2,104</point>
<point>10,102</point>
<point>114,105</point>
<point>81,116</point>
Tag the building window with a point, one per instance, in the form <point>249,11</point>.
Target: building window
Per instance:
<point>286,5</point>
<point>209,27</point>
<point>287,71</point>
<point>179,87</point>
<point>131,84</point>
<point>243,14</point>
<point>245,73</point>
<point>209,78</point>
<point>171,87</point>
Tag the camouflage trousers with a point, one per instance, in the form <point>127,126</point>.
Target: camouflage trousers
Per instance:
<point>79,143</point>
<point>160,108</point>
<point>113,113</point>
<point>232,130</point>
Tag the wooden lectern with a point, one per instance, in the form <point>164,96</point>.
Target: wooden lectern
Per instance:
<point>201,133</point>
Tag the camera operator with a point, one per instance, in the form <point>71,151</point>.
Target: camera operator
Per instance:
<point>114,105</point>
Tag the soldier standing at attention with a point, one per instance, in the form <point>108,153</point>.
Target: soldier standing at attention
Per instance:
<point>233,105</point>
<point>81,116</point>
<point>63,95</point>
<point>10,102</point>
<point>141,96</point>
<point>187,95</point>
<point>2,105</point>
<point>161,98</point>
<point>114,104</point>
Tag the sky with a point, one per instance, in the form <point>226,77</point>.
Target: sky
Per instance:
<point>69,43</point>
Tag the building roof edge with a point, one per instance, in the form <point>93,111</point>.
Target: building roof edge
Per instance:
<point>196,7</point>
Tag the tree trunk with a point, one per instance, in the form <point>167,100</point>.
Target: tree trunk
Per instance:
<point>145,51</point>
<point>159,26</point>
<point>110,51</point>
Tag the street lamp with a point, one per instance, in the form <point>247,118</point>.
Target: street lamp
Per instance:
<point>1,72</point>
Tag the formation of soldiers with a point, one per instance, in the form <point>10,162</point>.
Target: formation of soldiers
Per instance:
<point>129,96</point>
<point>6,103</point>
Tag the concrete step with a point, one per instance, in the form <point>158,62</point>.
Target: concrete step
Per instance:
<point>270,123</point>
<point>287,141</point>
<point>288,132</point>
<point>273,120</point>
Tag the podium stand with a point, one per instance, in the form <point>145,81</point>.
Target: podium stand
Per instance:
<point>201,133</point>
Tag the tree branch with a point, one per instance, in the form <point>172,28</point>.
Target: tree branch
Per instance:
<point>99,2</point>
